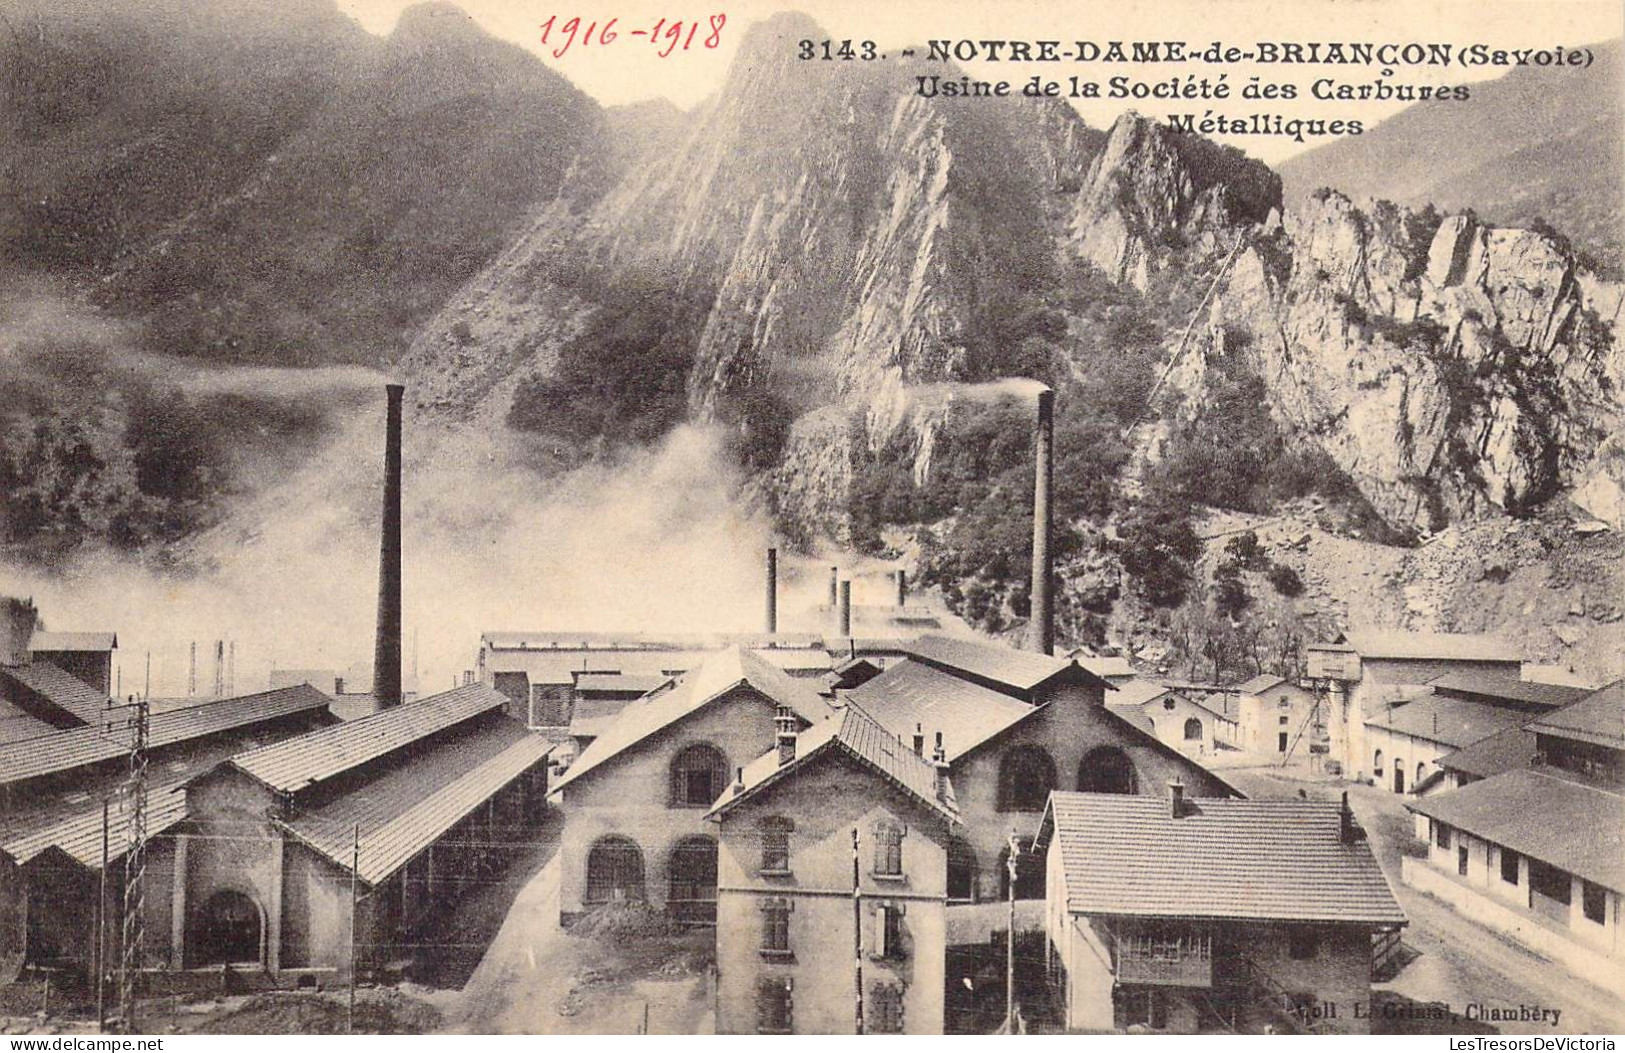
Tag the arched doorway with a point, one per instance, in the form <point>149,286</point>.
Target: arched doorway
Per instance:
<point>1421,772</point>
<point>691,880</point>
<point>614,871</point>
<point>1106,769</point>
<point>1399,775</point>
<point>1026,776</point>
<point>228,929</point>
<point>1193,730</point>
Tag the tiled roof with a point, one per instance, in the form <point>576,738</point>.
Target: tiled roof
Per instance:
<point>620,682</point>
<point>1105,665</point>
<point>1464,647</point>
<point>78,747</point>
<point>1134,715</point>
<point>78,832</point>
<point>1599,718</point>
<point>1251,860</point>
<point>299,762</point>
<point>17,725</point>
<point>911,693</point>
<point>1503,751</point>
<point>59,689</point>
<point>407,809</point>
<point>1510,688</point>
<point>1004,667</point>
<point>858,735</point>
<point>46,642</point>
<point>719,674</point>
<point>1137,692</point>
<point>1451,721</point>
<point>1576,826</point>
<point>1259,684</point>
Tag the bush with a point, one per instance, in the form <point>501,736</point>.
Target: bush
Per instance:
<point>1285,580</point>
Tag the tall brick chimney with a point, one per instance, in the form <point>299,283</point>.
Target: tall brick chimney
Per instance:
<point>834,587</point>
<point>784,734</point>
<point>1041,626</point>
<point>386,656</point>
<point>902,588</point>
<point>846,609</point>
<point>772,590</point>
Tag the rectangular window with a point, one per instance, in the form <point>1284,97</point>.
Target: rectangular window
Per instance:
<point>774,1010</point>
<point>888,850</point>
<point>886,1009</point>
<point>1302,943</point>
<point>1461,860</point>
<point>1441,835</point>
<point>775,845</point>
<point>1595,901</point>
<point>1283,720</point>
<point>776,928</point>
<point>1549,881</point>
<point>886,939</point>
<point>1509,866</point>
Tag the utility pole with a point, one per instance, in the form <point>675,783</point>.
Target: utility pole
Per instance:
<point>101,921</point>
<point>857,934</point>
<point>1010,946</point>
<point>355,869</point>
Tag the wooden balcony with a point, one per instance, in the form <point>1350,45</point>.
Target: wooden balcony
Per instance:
<point>1169,957</point>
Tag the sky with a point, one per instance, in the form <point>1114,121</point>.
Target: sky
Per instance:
<point>625,70</point>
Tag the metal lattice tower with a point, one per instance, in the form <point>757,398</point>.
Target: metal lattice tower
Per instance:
<point>135,865</point>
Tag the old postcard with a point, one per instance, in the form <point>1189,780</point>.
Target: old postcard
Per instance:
<point>811,518</point>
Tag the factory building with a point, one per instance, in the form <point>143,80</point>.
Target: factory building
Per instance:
<point>86,656</point>
<point>1210,915</point>
<point>635,799</point>
<point>831,891</point>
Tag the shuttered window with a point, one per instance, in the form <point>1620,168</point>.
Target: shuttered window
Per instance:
<point>886,1009</point>
<point>775,1010</point>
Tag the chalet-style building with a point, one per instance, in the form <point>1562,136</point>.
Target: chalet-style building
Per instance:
<point>418,803</point>
<point>636,797</point>
<point>54,783</point>
<point>1279,718</point>
<point>1015,726</point>
<point>1170,914</point>
<point>1364,673</point>
<point>832,861</point>
<point>1536,852</point>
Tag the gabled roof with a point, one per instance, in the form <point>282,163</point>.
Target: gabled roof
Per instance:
<point>719,674</point>
<point>78,747</point>
<point>1128,856</point>
<point>1461,647</point>
<point>1451,721</point>
<point>47,642</point>
<point>17,724</point>
<point>620,683</point>
<point>855,734</point>
<point>1002,668</point>
<point>911,693</point>
<point>1260,684</point>
<point>1138,691</point>
<point>78,833</point>
<point>1599,719</point>
<point>409,808</point>
<point>293,764</point>
<point>1105,666</point>
<point>1508,688</point>
<point>1544,814</point>
<point>58,689</point>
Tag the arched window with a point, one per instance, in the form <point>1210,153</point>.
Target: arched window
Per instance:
<point>961,871</point>
<point>1376,763</point>
<point>698,776</point>
<point>1193,730</point>
<point>1029,871</point>
<point>1026,776</point>
<point>614,870</point>
<point>1107,769</point>
<point>1421,770</point>
<point>227,930</point>
<point>775,832</point>
<point>691,880</point>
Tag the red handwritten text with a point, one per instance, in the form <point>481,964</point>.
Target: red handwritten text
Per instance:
<point>665,36</point>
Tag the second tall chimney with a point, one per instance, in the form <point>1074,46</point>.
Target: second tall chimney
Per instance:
<point>846,608</point>
<point>386,656</point>
<point>902,588</point>
<point>1041,626</point>
<point>772,590</point>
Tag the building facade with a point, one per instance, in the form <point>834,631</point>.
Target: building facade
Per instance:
<point>1280,719</point>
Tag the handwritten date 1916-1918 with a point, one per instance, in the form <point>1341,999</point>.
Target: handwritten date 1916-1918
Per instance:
<point>665,35</point>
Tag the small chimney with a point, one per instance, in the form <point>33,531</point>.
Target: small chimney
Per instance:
<point>386,658</point>
<point>468,677</point>
<point>1176,798</point>
<point>902,588</point>
<point>784,728</point>
<point>846,608</point>
<point>1041,624</point>
<point>834,585</point>
<point>772,590</point>
<point>1346,825</point>
<point>919,741</point>
<point>939,760</point>
<point>739,781</point>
